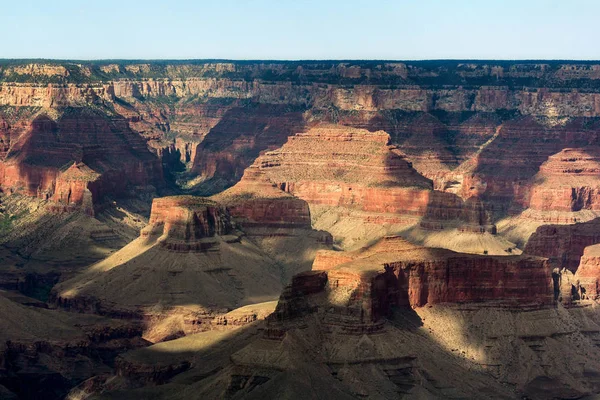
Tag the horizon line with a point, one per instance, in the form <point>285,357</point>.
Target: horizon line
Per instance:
<point>249,60</point>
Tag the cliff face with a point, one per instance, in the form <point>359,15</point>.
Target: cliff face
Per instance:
<point>564,244</point>
<point>74,187</point>
<point>75,156</point>
<point>417,86</point>
<point>452,120</point>
<point>363,286</point>
<point>338,166</point>
<point>257,202</point>
<point>568,181</point>
<point>588,273</point>
<point>183,222</point>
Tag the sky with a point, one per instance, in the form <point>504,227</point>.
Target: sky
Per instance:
<point>300,30</point>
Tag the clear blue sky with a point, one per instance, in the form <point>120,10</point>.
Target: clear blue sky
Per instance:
<point>282,29</point>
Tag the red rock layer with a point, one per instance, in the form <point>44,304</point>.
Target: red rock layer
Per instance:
<point>256,202</point>
<point>271,212</point>
<point>568,181</point>
<point>339,153</point>
<point>588,272</point>
<point>41,153</point>
<point>243,109</point>
<point>241,134</point>
<point>492,155</point>
<point>348,167</point>
<point>197,120</point>
<point>4,137</point>
<point>183,221</point>
<point>435,142</point>
<point>76,187</point>
<point>564,244</point>
<point>507,165</point>
<point>361,287</point>
<point>326,260</point>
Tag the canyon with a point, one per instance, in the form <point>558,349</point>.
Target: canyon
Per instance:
<point>241,229</point>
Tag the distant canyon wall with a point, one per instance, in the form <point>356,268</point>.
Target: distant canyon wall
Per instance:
<point>474,128</point>
<point>553,89</point>
<point>527,101</point>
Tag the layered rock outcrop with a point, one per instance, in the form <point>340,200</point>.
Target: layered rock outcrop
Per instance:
<point>346,167</point>
<point>279,223</point>
<point>257,202</point>
<point>508,164</point>
<point>183,222</point>
<point>568,182</point>
<point>75,187</point>
<point>583,285</point>
<point>588,273</point>
<point>455,86</point>
<point>453,120</point>
<point>76,158</point>
<point>357,289</point>
<point>241,134</point>
<point>564,244</point>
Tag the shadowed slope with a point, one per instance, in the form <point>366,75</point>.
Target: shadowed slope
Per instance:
<point>190,263</point>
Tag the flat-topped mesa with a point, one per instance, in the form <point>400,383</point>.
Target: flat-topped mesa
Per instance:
<point>187,223</point>
<point>340,166</point>
<point>357,289</point>
<point>200,263</point>
<point>568,181</point>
